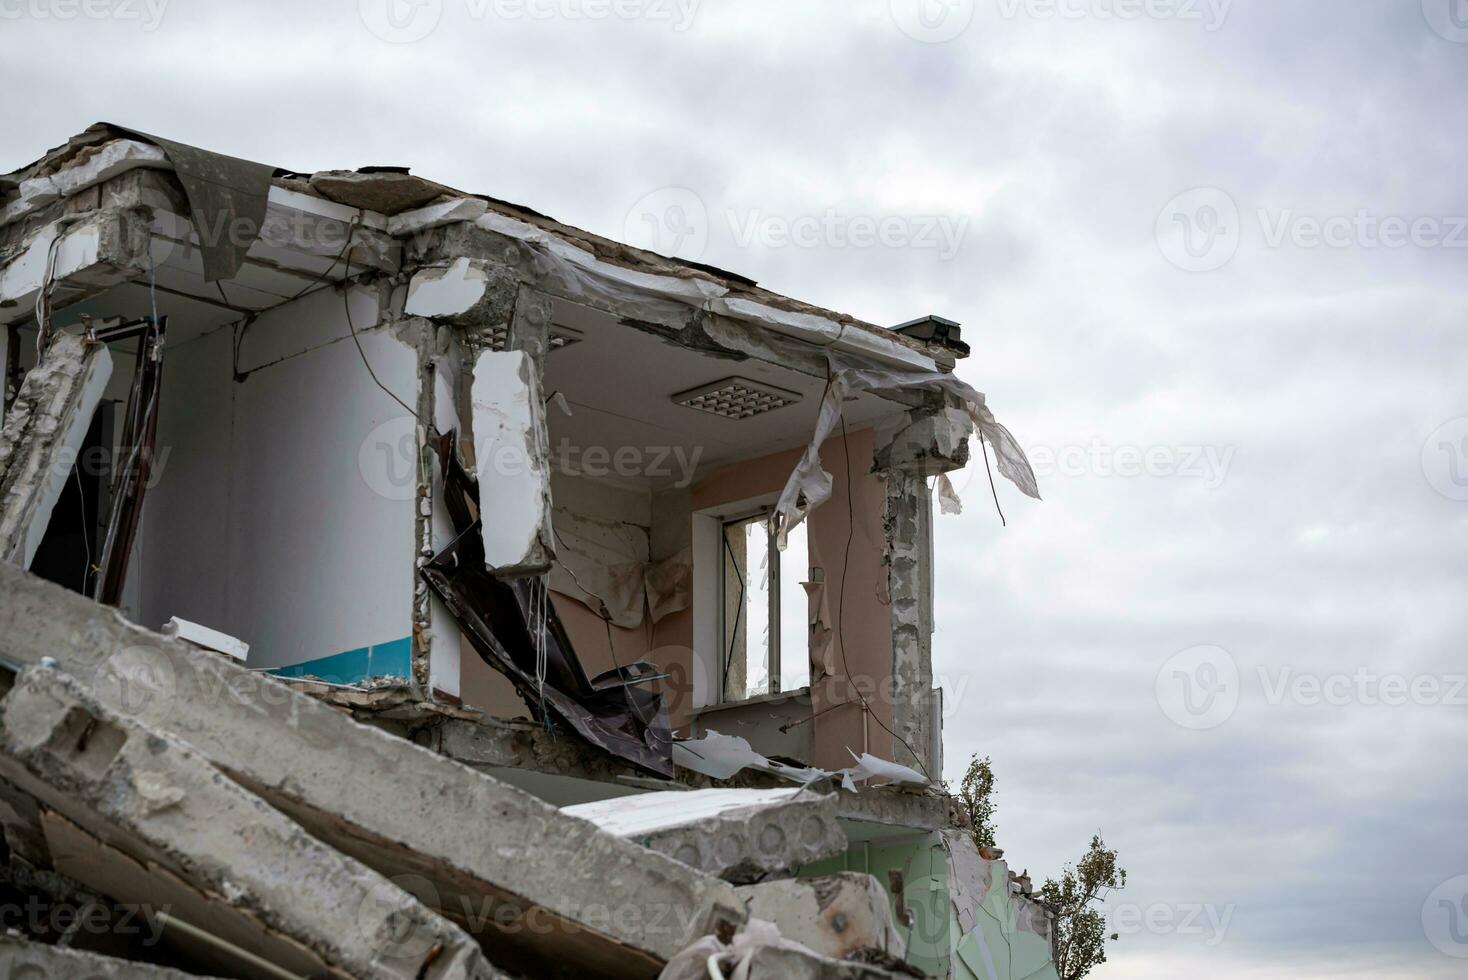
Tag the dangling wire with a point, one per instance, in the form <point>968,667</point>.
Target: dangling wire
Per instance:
<point>539,612</point>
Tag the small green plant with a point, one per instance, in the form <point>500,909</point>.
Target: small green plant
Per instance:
<point>976,799</point>
<point>1080,929</point>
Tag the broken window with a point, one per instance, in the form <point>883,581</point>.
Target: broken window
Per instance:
<point>764,615</point>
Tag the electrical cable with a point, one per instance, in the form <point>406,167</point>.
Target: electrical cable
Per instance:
<point>86,542</point>
<point>984,446</point>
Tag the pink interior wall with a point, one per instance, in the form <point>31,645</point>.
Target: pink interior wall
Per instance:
<point>867,626</point>
<point>481,686</point>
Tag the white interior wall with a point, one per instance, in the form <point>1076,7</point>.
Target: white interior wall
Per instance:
<point>284,515</point>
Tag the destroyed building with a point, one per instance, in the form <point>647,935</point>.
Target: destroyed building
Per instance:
<point>397,582</point>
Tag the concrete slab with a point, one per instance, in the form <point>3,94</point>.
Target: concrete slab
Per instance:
<point>835,915</point>
<point>42,438</point>
<point>549,894</point>
<point>35,961</point>
<point>741,835</point>
<point>140,817</point>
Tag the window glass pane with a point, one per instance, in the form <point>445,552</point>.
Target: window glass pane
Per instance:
<point>745,656</point>
<point>794,613</point>
<point>756,548</point>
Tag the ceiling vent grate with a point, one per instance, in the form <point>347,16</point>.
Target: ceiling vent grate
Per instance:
<point>736,398</point>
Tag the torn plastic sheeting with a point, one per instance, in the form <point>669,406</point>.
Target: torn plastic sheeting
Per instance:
<point>499,621</point>
<point>649,813</point>
<point>849,375</point>
<point>721,756</point>
<point>227,199</point>
<point>813,483</point>
<point>869,766</point>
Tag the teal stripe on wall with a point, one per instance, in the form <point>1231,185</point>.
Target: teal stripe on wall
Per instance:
<point>391,659</point>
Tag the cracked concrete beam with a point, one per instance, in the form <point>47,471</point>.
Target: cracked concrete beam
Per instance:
<point>835,915</point>
<point>140,817</point>
<point>94,251</point>
<point>547,893</point>
<point>739,835</point>
<point>925,442</point>
<point>465,292</point>
<point>41,438</point>
<point>21,959</point>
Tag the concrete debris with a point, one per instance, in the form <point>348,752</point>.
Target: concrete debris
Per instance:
<point>23,960</point>
<point>207,639</point>
<point>73,257</point>
<point>137,815</point>
<point>836,915</point>
<point>42,439</point>
<point>384,191</point>
<point>435,216</point>
<point>465,293</point>
<point>552,894</point>
<point>102,163</point>
<point>738,835</point>
<point>760,952</point>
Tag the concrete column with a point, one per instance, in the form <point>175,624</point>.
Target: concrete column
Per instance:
<point>928,443</point>
<point>908,523</point>
<point>41,437</point>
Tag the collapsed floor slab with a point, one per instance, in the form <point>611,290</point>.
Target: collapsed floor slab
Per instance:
<point>22,959</point>
<point>550,893</point>
<point>835,915</point>
<point>142,818</point>
<point>739,835</point>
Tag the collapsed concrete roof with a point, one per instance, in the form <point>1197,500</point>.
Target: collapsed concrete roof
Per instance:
<point>392,191</point>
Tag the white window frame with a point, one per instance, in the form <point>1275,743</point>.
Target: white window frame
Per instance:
<point>710,639</point>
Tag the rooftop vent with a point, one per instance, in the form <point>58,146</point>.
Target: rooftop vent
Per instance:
<point>736,398</point>
<point>935,330</point>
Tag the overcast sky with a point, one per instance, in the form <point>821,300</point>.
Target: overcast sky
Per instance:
<point>1211,259</point>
